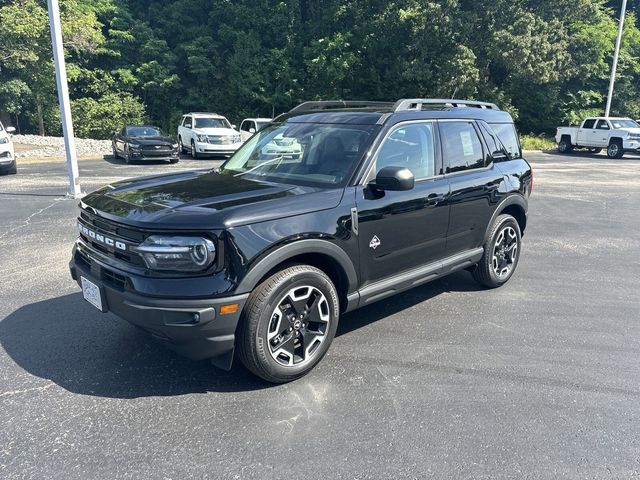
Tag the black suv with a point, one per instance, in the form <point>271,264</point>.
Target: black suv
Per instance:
<point>334,206</point>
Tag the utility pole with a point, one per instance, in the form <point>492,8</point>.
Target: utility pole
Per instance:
<point>63,99</point>
<point>614,68</point>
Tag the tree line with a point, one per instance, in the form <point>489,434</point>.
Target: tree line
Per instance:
<point>133,61</point>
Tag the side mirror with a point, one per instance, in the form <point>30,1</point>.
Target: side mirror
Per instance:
<point>252,130</point>
<point>234,127</point>
<point>395,179</point>
<point>10,129</point>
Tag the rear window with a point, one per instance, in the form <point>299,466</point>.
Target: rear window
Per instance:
<point>507,135</point>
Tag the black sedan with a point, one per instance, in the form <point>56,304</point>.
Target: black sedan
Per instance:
<point>141,142</point>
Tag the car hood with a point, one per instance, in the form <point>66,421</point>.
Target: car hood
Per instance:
<point>204,200</point>
<point>152,140</point>
<point>633,131</point>
<point>215,131</point>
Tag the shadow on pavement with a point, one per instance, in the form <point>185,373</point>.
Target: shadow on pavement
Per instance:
<point>67,341</point>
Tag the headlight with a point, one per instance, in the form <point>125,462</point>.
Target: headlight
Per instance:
<point>4,140</point>
<point>174,146</point>
<point>634,136</point>
<point>202,138</point>
<point>185,254</point>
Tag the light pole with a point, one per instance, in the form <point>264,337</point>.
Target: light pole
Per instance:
<point>63,99</point>
<point>615,58</point>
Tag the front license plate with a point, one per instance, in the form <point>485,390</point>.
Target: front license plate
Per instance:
<point>91,293</point>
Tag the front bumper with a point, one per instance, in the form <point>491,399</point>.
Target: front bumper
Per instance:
<point>631,145</point>
<point>152,156</point>
<point>194,328</point>
<point>206,148</point>
<point>7,159</point>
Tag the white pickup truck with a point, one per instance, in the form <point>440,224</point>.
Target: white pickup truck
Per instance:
<point>617,135</point>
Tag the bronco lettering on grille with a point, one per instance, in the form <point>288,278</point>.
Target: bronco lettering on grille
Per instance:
<point>101,238</point>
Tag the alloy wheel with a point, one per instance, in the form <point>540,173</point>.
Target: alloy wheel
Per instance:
<point>299,325</point>
<point>505,252</point>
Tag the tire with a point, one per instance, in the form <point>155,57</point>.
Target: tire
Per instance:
<point>181,148</point>
<point>115,152</point>
<point>595,150</point>
<point>564,146</point>
<point>614,150</point>
<point>13,171</point>
<point>194,153</point>
<point>174,160</point>
<point>500,260</point>
<point>272,334</point>
<point>127,156</point>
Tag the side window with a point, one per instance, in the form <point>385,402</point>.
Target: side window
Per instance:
<point>489,137</point>
<point>507,135</point>
<point>461,146</point>
<point>187,122</point>
<point>602,125</point>
<point>411,146</point>
<point>244,126</point>
<point>589,124</point>
<point>251,125</point>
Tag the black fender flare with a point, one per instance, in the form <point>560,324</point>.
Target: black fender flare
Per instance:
<point>514,199</point>
<point>300,247</point>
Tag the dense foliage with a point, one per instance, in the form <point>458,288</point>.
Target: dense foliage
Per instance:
<point>129,60</point>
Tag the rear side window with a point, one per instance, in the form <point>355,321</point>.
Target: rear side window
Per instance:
<point>591,123</point>
<point>507,135</point>
<point>461,146</point>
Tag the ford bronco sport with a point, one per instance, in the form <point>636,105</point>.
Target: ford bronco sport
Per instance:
<point>263,255</point>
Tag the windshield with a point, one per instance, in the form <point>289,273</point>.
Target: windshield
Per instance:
<point>624,124</point>
<point>144,132</point>
<point>211,122</point>
<point>301,154</point>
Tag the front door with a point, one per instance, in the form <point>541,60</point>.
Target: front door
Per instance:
<point>399,231</point>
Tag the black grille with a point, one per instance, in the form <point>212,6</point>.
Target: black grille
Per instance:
<point>115,235</point>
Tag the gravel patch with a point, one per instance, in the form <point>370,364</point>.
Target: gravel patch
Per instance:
<point>54,146</point>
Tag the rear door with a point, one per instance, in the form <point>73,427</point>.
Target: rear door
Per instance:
<point>587,133</point>
<point>475,183</point>
<point>399,231</point>
<point>601,137</point>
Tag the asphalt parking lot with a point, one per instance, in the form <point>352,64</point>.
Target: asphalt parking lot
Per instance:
<point>538,379</point>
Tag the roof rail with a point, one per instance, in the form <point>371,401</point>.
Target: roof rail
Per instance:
<point>331,104</point>
<point>417,103</point>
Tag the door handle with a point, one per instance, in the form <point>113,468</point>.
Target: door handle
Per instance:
<point>434,199</point>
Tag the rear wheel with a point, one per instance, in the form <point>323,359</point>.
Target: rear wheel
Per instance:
<point>501,253</point>
<point>288,324</point>
<point>174,160</point>
<point>565,146</point>
<point>614,150</point>
<point>181,148</point>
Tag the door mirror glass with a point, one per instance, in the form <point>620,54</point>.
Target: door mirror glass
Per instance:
<point>394,179</point>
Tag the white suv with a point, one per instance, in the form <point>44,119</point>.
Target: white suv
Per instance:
<point>7,154</point>
<point>207,134</point>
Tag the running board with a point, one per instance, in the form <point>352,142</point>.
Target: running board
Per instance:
<point>418,276</point>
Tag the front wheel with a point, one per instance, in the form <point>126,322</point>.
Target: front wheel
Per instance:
<point>194,152</point>
<point>181,148</point>
<point>501,253</point>
<point>288,323</point>
<point>614,150</point>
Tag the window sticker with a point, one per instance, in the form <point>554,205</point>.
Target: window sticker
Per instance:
<point>467,143</point>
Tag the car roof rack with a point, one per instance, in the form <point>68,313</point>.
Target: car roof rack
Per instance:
<point>337,104</point>
<point>407,104</point>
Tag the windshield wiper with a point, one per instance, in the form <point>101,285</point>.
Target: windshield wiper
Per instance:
<point>277,159</point>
